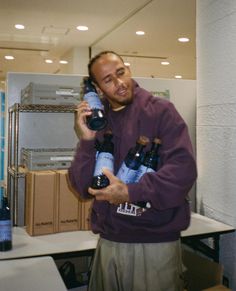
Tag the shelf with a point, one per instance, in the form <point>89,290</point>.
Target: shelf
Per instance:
<point>16,174</point>
<point>15,171</point>
<point>41,108</point>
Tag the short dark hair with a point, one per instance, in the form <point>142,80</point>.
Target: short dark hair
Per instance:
<point>95,58</point>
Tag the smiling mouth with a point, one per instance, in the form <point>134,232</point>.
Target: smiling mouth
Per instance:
<point>122,92</point>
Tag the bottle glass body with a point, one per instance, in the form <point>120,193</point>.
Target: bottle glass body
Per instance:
<point>97,120</point>
<point>128,170</point>
<point>105,159</point>
<point>5,227</point>
<point>150,160</point>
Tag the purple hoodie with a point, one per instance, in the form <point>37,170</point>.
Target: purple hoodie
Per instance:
<point>167,189</point>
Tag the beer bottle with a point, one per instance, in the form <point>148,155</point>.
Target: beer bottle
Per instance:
<point>97,120</point>
<point>151,159</point>
<point>128,170</point>
<point>5,226</point>
<point>104,159</point>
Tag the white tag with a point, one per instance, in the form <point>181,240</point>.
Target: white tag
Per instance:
<point>130,209</point>
<point>69,158</point>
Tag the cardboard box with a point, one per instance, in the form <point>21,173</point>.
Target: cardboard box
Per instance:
<point>85,206</point>
<point>52,205</point>
<point>201,273</point>
<point>67,204</point>
<point>40,202</point>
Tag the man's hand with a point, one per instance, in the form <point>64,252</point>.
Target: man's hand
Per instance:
<point>81,129</point>
<point>115,193</point>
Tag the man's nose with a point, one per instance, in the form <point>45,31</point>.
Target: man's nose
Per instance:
<point>117,81</point>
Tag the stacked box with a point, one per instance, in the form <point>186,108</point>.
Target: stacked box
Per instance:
<point>52,205</point>
<point>50,94</point>
<point>46,159</point>
<point>67,204</point>
<point>85,206</point>
<point>40,214</point>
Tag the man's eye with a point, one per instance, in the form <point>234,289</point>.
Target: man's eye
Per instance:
<point>120,72</point>
<point>107,81</point>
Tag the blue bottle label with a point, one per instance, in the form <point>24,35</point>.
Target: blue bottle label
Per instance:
<point>93,100</point>
<point>104,160</point>
<point>150,170</point>
<point>5,230</point>
<point>141,171</point>
<point>126,174</point>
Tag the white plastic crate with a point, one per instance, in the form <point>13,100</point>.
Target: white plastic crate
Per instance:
<point>46,94</point>
<point>47,159</point>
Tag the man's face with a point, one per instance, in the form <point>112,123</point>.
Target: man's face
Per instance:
<point>114,80</point>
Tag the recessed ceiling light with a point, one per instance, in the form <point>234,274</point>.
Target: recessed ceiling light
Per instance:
<point>82,27</point>
<point>19,26</point>
<point>140,32</point>
<point>48,61</point>
<point>178,77</point>
<point>9,57</point>
<point>127,64</point>
<point>165,63</point>
<point>183,39</point>
<point>64,62</point>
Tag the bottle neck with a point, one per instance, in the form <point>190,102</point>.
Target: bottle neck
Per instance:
<point>155,148</point>
<point>139,147</point>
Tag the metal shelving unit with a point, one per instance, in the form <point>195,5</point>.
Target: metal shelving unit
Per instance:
<point>14,170</point>
<point>2,142</point>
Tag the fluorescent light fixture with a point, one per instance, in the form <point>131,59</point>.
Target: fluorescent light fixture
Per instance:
<point>64,62</point>
<point>82,27</point>
<point>183,39</point>
<point>178,77</point>
<point>9,57</point>
<point>48,61</point>
<point>165,63</point>
<point>19,26</point>
<point>140,32</point>
<point>127,64</point>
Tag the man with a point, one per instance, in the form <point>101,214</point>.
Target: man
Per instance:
<point>142,252</point>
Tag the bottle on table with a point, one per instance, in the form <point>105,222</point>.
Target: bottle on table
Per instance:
<point>5,226</point>
<point>150,160</point>
<point>97,120</point>
<point>104,159</point>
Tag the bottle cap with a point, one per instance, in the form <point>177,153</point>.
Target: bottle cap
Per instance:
<point>157,140</point>
<point>143,140</point>
<point>109,131</point>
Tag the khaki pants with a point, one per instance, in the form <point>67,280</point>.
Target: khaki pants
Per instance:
<point>136,267</point>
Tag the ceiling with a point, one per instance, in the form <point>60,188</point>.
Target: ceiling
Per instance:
<point>50,32</point>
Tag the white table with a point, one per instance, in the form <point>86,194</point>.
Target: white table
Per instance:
<point>53,244</point>
<point>202,227</point>
<point>32,274</point>
<point>79,242</point>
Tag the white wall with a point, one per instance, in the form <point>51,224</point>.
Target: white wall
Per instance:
<point>216,119</point>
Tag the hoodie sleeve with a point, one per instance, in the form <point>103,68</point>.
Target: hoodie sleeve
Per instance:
<point>169,186</point>
<point>81,169</point>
